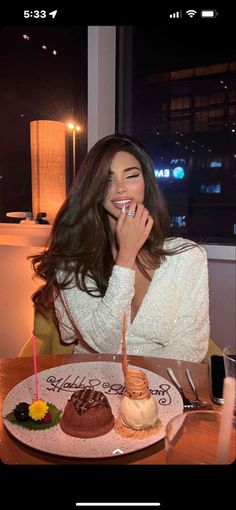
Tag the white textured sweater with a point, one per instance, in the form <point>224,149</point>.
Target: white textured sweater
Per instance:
<point>172,321</point>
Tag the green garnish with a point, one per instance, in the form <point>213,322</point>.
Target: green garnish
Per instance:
<point>37,425</point>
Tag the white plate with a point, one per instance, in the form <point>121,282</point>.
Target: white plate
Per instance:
<point>57,384</point>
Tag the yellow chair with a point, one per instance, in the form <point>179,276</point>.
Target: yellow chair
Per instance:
<point>48,340</point>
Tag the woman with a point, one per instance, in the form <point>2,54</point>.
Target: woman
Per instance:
<point>109,254</point>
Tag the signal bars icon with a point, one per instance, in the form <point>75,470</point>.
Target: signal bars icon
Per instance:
<point>177,14</point>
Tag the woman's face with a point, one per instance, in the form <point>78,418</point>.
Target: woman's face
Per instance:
<point>126,184</point>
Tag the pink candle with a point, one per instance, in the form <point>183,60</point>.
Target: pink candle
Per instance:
<point>35,366</point>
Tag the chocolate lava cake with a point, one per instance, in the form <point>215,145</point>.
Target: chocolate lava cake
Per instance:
<point>87,414</point>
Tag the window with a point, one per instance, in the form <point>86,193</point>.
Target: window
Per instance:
<point>176,94</point>
<point>43,77</point>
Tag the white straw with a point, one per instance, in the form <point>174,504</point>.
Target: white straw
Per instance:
<point>226,422</point>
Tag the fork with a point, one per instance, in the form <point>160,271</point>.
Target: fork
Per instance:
<point>207,405</point>
<point>188,404</point>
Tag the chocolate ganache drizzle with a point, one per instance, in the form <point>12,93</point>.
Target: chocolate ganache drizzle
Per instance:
<point>85,399</point>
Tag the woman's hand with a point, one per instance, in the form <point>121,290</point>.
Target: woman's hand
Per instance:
<point>131,233</point>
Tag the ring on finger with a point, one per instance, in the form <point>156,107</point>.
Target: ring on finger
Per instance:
<point>131,213</point>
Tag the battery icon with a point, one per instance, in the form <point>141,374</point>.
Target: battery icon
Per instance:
<point>211,13</point>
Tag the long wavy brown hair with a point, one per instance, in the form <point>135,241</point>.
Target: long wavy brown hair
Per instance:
<point>81,240</point>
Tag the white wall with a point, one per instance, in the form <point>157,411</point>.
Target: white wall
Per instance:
<point>17,283</point>
<point>222,290</point>
<point>16,316</point>
<point>101,82</point>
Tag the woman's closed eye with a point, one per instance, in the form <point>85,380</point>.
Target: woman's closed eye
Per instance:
<point>132,176</point>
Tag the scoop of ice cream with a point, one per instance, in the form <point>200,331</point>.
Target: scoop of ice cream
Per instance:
<point>138,409</point>
<point>139,414</point>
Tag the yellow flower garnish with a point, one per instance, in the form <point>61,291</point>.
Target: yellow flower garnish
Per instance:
<point>38,409</point>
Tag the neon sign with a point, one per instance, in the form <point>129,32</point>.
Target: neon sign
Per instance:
<point>177,172</point>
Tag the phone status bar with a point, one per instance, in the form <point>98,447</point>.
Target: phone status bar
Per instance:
<point>191,13</point>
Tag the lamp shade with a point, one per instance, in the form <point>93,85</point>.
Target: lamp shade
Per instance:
<point>48,166</point>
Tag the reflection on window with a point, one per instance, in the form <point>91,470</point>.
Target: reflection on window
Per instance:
<point>211,188</point>
<point>216,164</point>
<point>180,103</point>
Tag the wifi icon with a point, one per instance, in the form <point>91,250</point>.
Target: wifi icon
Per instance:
<point>191,13</point>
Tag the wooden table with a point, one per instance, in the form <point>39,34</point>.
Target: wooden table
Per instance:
<point>13,371</point>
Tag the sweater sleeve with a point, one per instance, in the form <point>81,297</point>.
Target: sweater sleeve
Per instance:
<point>190,334</point>
<point>99,320</point>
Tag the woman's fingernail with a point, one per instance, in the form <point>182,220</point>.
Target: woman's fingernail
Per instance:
<point>123,208</point>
